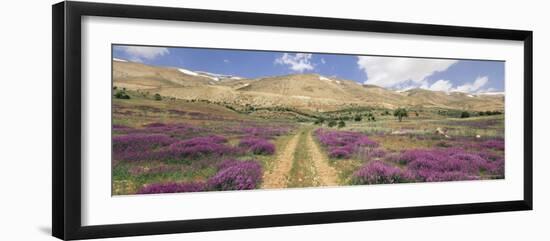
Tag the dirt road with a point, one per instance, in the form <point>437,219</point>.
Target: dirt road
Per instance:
<point>301,164</point>
<point>278,177</point>
<point>328,176</point>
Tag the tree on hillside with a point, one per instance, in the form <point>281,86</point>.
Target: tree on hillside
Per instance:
<point>370,117</point>
<point>400,113</point>
<point>158,97</point>
<point>464,114</point>
<point>319,121</point>
<point>121,94</point>
<point>331,123</point>
<point>358,117</point>
<point>341,124</point>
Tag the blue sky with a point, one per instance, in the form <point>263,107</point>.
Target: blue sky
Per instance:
<point>397,73</point>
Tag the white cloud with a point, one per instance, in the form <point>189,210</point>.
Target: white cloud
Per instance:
<point>473,87</point>
<point>441,85</point>
<point>226,61</point>
<point>409,73</point>
<point>393,72</point>
<point>297,62</point>
<point>323,61</point>
<point>447,86</point>
<point>138,53</point>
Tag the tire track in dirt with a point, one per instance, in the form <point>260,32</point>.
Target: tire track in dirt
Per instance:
<point>278,177</point>
<point>327,175</point>
<point>303,172</point>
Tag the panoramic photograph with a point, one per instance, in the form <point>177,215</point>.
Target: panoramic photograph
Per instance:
<point>203,119</point>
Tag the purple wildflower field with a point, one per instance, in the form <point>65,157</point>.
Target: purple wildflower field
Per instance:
<point>160,156</point>
<point>344,144</point>
<point>231,175</point>
<point>378,172</point>
<point>460,159</point>
<point>257,145</point>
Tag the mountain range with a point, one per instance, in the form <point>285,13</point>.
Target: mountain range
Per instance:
<point>310,92</point>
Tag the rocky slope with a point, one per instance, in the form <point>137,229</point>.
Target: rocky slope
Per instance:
<point>301,91</point>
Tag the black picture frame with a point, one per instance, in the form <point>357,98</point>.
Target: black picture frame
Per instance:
<point>66,127</point>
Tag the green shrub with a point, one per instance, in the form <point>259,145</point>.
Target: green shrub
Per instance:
<point>341,124</point>
<point>464,114</point>
<point>158,96</point>
<point>121,94</point>
<point>400,113</point>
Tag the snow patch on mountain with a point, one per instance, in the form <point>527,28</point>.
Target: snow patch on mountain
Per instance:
<point>329,80</point>
<point>217,77</point>
<point>187,72</point>
<point>210,77</point>
<point>491,93</point>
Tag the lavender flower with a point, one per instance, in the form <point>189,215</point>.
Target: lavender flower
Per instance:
<point>377,172</point>
<point>199,147</point>
<point>344,144</point>
<point>497,144</point>
<point>340,153</point>
<point>258,146</point>
<point>450,164</point>
<point>376,153</point>
<point>264,132</point>
<point>138,146</point>
<point>236,175</point>
<point>172,187</point>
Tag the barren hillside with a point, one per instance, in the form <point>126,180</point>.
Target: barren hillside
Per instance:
<point>302,91</point>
